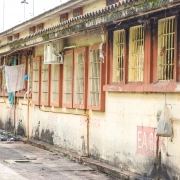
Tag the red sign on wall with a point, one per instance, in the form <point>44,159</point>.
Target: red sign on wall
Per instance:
<point>146,141</point>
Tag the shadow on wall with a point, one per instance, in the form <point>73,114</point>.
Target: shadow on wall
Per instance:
<point>1,124</point>
<point>20,130</point>
<point>47,136</point>
<point>95,153</point>
<point>9,125</point>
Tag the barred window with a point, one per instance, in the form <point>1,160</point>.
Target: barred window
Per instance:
<point>79,78</point>
<point>136,54</point>
<point>68,71</point>
<point>118,55</point>
<point>166,34</point>
<point>45,81</point>
<point>94,78</point>
<point>55,73</point>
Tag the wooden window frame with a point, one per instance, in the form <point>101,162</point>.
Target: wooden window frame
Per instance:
<point>132,60</point>
<point>42,102</point>
<point>21,92</point>
<point>1,77</point>
<point>39,83</point>
<point>16,36</point>
<point>64,16</point>
<point>84,105</point>
<point>151,82</point>
<point>115,60</point>
<point>40,27</point>
<point>101,106</point>
<point>70,105</point>
<point>176,51</point>
<point>115,1</point>
<point>32,30</point>
<point>60,85</point>
<point>110,46</point>
<point>9,38</point>
<point>80,10</point>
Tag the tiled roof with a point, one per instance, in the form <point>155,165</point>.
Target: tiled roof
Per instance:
<point>98,13</point>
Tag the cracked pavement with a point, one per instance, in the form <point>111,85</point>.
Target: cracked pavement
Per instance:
<point>19,161</point>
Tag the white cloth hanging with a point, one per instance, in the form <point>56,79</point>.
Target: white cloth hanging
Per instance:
<point>15,77</point>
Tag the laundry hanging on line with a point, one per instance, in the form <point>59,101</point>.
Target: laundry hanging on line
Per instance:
<point>15,77</point>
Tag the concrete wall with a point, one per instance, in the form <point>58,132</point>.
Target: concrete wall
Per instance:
<point>94,6</point>
<point>52,22</point>
<point>24,33</point>
<point>121,135</point>
<point>124,135</point>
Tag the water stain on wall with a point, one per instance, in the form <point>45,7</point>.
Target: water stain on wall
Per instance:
<point>47,136</point>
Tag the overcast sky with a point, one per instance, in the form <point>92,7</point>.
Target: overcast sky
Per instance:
<point>14,10</point>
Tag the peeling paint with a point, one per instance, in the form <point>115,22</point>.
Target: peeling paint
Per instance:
<point>177,89</point>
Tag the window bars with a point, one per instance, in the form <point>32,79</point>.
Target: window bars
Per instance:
<point>68,78</point>
<point>55,83</point>
<point>35,90</point>
<point>94,77</point>
<point>166,34</point>
<point>136,55</point>
<point>79,78</point>
<point>118,53</point>
<point>45,77</point>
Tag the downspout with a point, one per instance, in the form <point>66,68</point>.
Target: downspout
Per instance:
<point>82,137</point>
<point>15,126</point>
<point>88,135</point>
<point>29,69</point>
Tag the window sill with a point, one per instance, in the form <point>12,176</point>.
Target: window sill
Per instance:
<point>16,94</point>
<point>161,86</point>
<point>5,94</point>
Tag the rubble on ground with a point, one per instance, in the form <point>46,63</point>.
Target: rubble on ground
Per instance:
<point>8,136</point>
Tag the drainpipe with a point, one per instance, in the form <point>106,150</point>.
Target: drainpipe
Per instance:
<point>82,137</point>
<point>88,135</point>
<point>29,69</point>
<point>15,126</point>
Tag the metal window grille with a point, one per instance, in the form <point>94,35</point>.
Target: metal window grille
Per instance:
<point>118,53</point>
<point>79,78</point>
<point>35,90</point>
<point>68,79</point>
<point>136,55</point>
<point>44,91</point>
<point>55,83</point>
<point>94,83</point>
<point>166,32</point>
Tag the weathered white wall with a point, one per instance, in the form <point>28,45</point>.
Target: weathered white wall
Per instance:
<point>113,133</point>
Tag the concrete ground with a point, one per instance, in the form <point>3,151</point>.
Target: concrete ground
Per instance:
<point>19,161</point>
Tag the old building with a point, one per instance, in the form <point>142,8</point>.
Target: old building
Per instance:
<point>99,75</point>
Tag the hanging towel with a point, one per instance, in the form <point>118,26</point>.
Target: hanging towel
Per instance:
<point>11,98</point>
<point>15,77</point>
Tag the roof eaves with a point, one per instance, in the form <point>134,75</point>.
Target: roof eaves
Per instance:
<point>85,16</point>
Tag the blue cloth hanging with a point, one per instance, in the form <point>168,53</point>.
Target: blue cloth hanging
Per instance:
<point>11,98</point>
